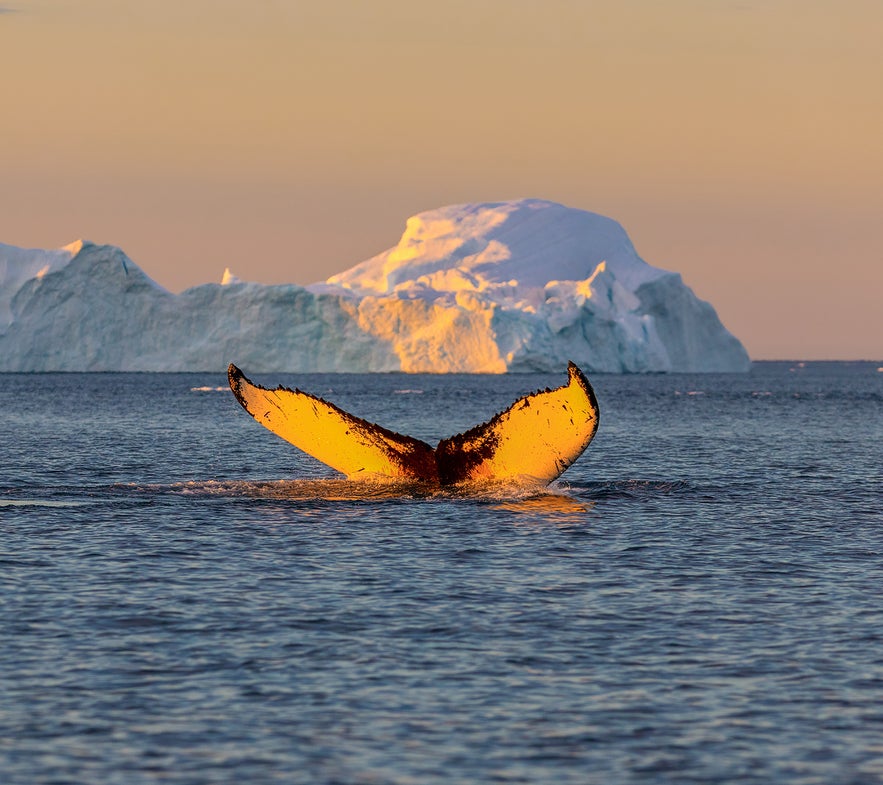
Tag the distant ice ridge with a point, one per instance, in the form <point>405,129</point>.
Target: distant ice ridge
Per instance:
<point>511,286</point>
<point>19,265</point>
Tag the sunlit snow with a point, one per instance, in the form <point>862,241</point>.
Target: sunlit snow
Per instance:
<point>518,285</point>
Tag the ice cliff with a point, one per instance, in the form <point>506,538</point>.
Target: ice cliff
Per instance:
<point>519,286</point>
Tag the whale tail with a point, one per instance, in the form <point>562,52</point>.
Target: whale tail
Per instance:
<point>534,440</point>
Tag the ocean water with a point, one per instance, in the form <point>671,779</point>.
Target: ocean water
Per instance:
<point>185,598</point>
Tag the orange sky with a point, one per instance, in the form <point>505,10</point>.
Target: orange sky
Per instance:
<point>738,141</point>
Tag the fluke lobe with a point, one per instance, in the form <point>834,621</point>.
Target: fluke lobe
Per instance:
<point>533,441</point>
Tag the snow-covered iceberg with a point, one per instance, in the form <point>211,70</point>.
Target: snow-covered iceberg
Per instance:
<point>511,286</point>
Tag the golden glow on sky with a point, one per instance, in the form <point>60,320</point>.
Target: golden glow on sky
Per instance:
<point>738,141</point>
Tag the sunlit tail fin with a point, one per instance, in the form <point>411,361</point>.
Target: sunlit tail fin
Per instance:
<point>534,440</point>
<point>353,446</point>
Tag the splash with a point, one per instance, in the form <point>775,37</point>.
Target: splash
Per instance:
<point>340,489</point>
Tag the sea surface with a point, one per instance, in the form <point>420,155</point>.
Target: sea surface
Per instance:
<point>185,598</point>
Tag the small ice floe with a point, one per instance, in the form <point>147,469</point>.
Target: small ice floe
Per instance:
<point>208,389</point>
<point>408,392</point>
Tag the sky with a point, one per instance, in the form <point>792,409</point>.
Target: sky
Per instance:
<point>739,142</point>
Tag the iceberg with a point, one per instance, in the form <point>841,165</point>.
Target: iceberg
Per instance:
<point>524,285</point>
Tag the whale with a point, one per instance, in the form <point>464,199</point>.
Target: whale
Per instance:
<point>532,441</point>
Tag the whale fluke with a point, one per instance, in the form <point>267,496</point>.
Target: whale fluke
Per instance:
<point>353,446</point>
<point>534,440</point>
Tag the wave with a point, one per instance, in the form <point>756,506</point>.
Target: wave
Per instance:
<point>561,497</point>
<point>40,503</point>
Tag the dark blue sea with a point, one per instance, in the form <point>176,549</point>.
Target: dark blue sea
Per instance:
<point>185,598</point>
